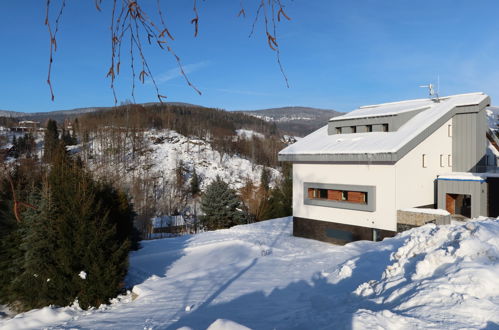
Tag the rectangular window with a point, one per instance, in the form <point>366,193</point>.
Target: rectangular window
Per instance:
<point>359,197</point>
<point>449,160</point>
<point>342,196</point>
<point>385,128</point>
<point>338,130</point>
<point>334,195</point>
<point>449,130</point>
<point>354,129</point>
<point>424,161</point>
<point>369,128</point>
<point>442,163</point>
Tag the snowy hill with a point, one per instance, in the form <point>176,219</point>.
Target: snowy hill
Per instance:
<point>261,277</point>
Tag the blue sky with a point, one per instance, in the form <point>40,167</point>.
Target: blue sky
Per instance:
<point>337,54</point>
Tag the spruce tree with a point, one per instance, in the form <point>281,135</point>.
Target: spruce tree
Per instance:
<point>221,206</point>
<point>265,178</point>
<point>51,140</point>
<point>194,183</point>
<point>280,203</point>
<point>80,227</point>
<point>10,241</point>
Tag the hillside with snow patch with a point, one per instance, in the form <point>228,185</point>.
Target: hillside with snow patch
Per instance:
<point>261,277</point>
<point>162,151</point>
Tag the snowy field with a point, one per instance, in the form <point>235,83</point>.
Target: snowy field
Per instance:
<point>258,276</point>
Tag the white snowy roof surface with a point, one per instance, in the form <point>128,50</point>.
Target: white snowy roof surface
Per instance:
<point>468,176</point>
<point>319,142</point>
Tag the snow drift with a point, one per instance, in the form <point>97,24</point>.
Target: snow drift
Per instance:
<point>259,276</point>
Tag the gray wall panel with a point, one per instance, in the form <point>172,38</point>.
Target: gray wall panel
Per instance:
<point>469,141</point>
<point>477,190</point>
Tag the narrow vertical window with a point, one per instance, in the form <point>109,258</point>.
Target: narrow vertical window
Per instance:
<point>424,160</point>
<point>449,160</point>
<point>344,195</point>
<point>449,130</point>
<point>442,163</point>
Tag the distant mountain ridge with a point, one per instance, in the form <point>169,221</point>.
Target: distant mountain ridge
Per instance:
<point>56,114</point>
<point>292,120</point>
<point>295,120</point>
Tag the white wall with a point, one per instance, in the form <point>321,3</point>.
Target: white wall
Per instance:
<point>415,184</point>
<point>381,176</point>
<point>403,185</point>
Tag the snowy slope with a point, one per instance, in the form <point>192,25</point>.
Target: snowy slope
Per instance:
<point>164,150</point>
<point>260,277</point>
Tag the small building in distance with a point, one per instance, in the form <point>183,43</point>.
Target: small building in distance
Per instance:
<point>387,167</point>
<point>27,126</point>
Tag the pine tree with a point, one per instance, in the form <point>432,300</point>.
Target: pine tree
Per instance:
<point>221,206</point>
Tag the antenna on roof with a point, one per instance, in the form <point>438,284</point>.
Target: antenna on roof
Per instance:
<point>431,91</point>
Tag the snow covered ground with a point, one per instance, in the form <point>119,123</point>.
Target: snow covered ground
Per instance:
<point>163,151</point>
<point>258,276</point>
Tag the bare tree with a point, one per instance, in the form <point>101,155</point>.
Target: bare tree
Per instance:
<point>133,26</point>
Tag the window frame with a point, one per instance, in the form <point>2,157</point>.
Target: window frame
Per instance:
<point>370,196</point>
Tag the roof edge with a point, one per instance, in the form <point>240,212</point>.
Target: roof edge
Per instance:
<point>388,156</point>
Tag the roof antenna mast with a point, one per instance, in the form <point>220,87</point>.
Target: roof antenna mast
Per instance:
<point>431,90</point>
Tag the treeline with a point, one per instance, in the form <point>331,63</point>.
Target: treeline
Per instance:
<point>217,126</point>
<point>8,122</point>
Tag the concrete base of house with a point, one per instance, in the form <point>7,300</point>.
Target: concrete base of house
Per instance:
<point>410,219</point>
<point>336,233</point>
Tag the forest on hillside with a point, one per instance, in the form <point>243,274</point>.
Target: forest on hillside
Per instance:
<point>158,154</point>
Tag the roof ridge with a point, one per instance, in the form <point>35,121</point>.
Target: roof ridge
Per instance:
<point>416,100</point>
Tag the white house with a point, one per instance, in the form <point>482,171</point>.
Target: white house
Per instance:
<point>365,173</point>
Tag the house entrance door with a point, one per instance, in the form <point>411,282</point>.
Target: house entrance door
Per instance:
<point>458,204</point>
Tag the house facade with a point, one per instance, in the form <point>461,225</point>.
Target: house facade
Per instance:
<point>364,173</point>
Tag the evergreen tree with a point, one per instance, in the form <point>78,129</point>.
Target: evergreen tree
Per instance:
<point>15,148</point>
<point>280,202</point>
<point>51,140</point>
<point>221,206</point>
<point>80,227</point>
<point>10,242</point>
<point>265,178</point>
<point>195,189</point>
